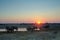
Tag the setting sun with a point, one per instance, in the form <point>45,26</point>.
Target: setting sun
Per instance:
<point>38,22</point>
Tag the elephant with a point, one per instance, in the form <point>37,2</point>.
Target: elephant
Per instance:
<point>46,26</point>
<point>11,29</point>
<point>31,29</point>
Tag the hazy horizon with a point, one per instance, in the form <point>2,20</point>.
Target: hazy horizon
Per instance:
<point>29,11</point>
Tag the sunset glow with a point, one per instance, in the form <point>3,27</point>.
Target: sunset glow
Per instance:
<point>38,22</point>
<point>29,11</point>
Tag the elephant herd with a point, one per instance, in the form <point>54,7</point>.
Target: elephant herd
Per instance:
<point>46,27</point>
<point>12,28</point>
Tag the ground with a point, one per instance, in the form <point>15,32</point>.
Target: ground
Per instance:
<point>40,35</point>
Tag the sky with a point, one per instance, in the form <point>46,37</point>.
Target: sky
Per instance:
<point>29,11</point>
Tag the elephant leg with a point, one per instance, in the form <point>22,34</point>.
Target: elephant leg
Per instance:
<point>7,31</point>
<point>12,30</point>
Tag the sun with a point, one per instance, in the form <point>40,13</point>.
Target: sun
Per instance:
<point>38,22</point>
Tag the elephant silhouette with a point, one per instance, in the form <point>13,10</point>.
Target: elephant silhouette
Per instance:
<point>46,26</point>
<point>11,29</point>
<point>31,29</point>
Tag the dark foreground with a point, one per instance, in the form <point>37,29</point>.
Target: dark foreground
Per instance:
<point>38,35</point>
